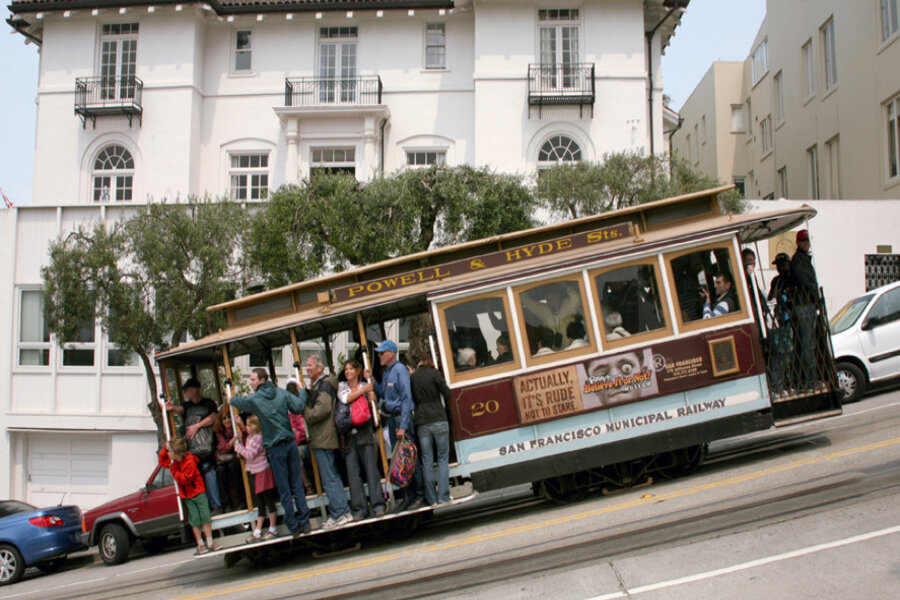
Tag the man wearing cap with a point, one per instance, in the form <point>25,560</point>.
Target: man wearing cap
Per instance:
<point>805,294</point>
<point>781,338</point>
<point>199,413</point>
<point>395,390</point>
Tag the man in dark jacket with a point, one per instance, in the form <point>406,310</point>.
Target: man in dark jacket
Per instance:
<point>324,441</point>
<point>430,393</point>
<point>806,292</point>
<point>271,406</point>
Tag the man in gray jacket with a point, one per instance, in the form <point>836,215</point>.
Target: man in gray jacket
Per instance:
<point>271,405</point>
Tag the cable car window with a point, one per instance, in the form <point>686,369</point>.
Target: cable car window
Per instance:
<point>553,318</point>
<point>631,301</point>
<point>706,284</point>
<point>477,331</point>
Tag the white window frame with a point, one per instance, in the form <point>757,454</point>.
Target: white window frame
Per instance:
<point>32,346</point>
<point>237,51</point>
<point>119,181</point>
<point>778,89</point>
<point>760,61</point>
<point>829,55</point>
<point>438,43</point>
<point>892,139</point>
<point>79,345</point>
<point>890,15</point>
<point>124,63</point>
<point>737,118</point>
<point>250,171</point>
<point>809,62</point>
<point>559,42</point>
<point>556,147</point>
<point>328,157</point>
<point>782,182</point>
<point>766,141</point>
<point>812,172</point>
<point>833,162</point>
<point>417,158</point>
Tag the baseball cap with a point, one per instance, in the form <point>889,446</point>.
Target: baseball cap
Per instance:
<point>386,346</point>
<point>802,235</point>
<point>190,383</point>
<point>780,258</point>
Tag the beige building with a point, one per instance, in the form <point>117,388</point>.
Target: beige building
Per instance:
<point>814,110</point>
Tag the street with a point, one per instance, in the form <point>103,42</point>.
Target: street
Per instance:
<point>809,510</point>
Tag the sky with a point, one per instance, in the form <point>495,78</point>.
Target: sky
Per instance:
<point>710,30</point>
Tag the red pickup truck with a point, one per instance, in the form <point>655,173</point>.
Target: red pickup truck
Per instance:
<point>149,515</point>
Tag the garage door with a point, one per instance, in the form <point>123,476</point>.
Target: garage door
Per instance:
<point>73,469</point>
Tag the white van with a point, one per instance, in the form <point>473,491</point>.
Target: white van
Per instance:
<point>865,335</point>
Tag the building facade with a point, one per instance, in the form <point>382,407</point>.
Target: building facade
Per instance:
<point>814,110</point>
<point>143,102</point>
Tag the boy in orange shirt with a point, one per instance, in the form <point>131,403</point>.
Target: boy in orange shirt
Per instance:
<point>186,473</point>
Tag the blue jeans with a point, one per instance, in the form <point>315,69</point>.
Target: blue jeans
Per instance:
<point>416,489</point>
<point>285,463</point>
<point>435,436</point>
<point>331,481</point>
<point>363,456</point>
<point>208,468</point>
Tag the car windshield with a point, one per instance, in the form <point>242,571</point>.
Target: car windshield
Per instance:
<point>848,315</point>
<point>10,507</point>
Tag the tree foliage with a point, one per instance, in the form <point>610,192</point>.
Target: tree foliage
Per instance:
<point>623,179</point>
<point>147,279</point>
<point>333,222</point>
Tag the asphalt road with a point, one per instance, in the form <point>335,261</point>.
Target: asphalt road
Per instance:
<point>807,511</point>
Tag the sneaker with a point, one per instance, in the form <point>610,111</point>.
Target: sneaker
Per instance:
<point>379,512</point>
<point>201,550</point>
<point>329,524</point>
<point>269,535</point>
<point>344,519</point>
<point>253,539</point>
<point>358,517</point>
<point>416,504</point>
<point>213,547</point>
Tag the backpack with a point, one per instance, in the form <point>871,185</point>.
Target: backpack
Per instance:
<point>343,420</point>
<point>403,462</point>
<point>201,445</point>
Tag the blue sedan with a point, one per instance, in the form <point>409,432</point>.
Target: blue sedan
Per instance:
<point>36,537</point>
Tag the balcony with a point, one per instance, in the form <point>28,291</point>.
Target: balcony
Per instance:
<point>102,96</point>
<point>561,84</point>
<point>326,91</point>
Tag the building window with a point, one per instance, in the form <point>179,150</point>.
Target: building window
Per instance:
<point>261,359</point>
<point>760,64</point>
<point>118,60</point>
<point>34,337</point>
<point>782,183</point>
<point>79,352</point>
<point>243,50</point>
<point>833,175</point>
<point>332,160</point>
<point>558,36</point>
<point>113,175</point>
<point>751,184</point>
<point>740,186</point>
<point>737,118</point>
<point>559,149</point>
<point>696,143</point>
<point>812,172</point>
<point>703,127</point>
<point>749,117</point>
<point>249,176</point>
<point>117,356</point>
<point>779,97</point>
<point>807,52</point>
<point>435,46</point>
<point>690,148</point>
<point>765,135</point>
<point>893,137</point>
<point>829,54</point>
<point>888,18</point>
<point>337,64</point>
<point>419,158</point>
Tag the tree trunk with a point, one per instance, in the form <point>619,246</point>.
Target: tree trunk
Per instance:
<point>155,409</point>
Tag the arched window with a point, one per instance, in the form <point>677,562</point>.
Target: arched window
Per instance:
<point>557,150</point>
<point>113,175</point>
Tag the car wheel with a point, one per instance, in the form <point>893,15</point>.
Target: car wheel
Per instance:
<point>53,565</point>
<point>12,565</point>
<point>851,381</point>
<point>114,544</point>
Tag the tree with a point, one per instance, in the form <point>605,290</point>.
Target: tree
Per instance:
<point>147,279</point>
<point>623,179</point>
<point>333,222</point>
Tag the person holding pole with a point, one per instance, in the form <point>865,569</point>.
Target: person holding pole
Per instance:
<point>428,388</point>
<point>271,405</point>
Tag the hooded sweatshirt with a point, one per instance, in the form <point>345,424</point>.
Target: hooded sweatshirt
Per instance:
<point>271,405</point>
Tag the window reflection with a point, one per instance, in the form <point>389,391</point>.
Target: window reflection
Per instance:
<point>630,301</point>
<point>704,283</point>
<point>478,332</point>
<point>554,317</point>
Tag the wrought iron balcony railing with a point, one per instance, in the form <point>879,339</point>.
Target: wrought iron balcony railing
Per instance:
<point>98,96</point>
<point>330,91</point>
<point>561,84</point>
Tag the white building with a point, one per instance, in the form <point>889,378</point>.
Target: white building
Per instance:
<point>141,101</point>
